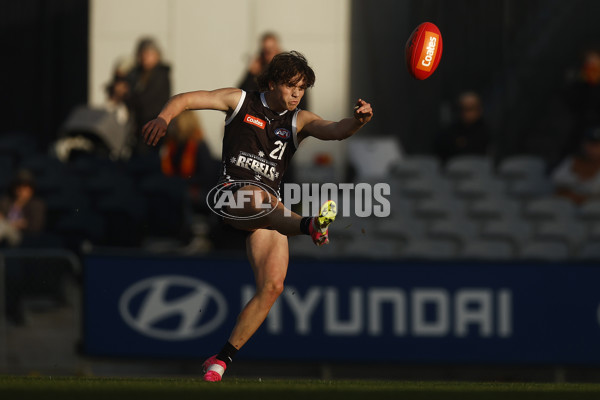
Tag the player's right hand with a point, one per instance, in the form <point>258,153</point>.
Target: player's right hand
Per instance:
<point>154,130</point>
<point>363,111</point>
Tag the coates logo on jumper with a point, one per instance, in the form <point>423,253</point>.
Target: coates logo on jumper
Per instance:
<point>242,200</point>
<point>252,120</point>
<point>429,51</point>
<point>173,307</point>
<point>283,133</point>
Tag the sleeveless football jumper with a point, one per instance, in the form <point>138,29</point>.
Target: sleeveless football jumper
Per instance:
<point>258,143</point>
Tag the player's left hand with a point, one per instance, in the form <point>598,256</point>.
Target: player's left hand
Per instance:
<point>363,111</point>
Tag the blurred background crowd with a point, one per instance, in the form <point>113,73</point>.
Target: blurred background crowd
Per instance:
<point>496,157</point>
<point>512,115</point>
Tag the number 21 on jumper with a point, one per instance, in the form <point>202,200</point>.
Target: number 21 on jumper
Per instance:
<point>280,149</point>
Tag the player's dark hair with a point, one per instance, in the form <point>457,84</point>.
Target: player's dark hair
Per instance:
<point>289,67</point>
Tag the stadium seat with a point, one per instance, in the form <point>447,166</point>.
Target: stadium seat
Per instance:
<point>50,175</point>
<point>480,187</point>
<point>43,240</point>
<point>519,167</point>
<point>530,187</point>
<point>373,156</point>
<point>439,208</point>
<point>6,163</point>
<point>402,231</point>
<point>124,213</point>
<point>425,187</point>
<point>41,164</point>
<point>53,182</point>
<point>589,212</point>
<point>168,205</point>
<point>494,208</point>
<point>315,173</point>
<point>81,226</point>
<point>352,226</point>
<point>6,177</point>
<point>550,208</point>
<point>400,206</point>
<point>569,231</point>
<point>86,165</point>
<point>101,184</point>
<point>143,165</point>
<point>371,248</point>
<point>301,246</point>
<point>63,203</point>
<point>512,230</point>
<point>429,249</point>
<point>589,252</point>
<point>412,166</point>
<point>544,251</point>
<point>18,146</point>
<point>487,250</point>
<point>107,182</point>
<point>594,232</point>
<point>460,231</point>
<point>469,167</point>
<point>395,185</point>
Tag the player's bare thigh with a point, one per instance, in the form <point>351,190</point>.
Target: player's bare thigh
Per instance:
<point>251,200</point>
<point>268,254</point>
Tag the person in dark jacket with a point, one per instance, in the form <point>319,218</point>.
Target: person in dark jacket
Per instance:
<point>150,85</point>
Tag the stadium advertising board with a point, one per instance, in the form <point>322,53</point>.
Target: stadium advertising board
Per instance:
<point>347,310</point>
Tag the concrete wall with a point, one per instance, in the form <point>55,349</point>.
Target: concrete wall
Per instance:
<point>209,45</point>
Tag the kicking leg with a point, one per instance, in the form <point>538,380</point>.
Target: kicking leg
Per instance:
<point>281,219</point>
<point>255,200</point>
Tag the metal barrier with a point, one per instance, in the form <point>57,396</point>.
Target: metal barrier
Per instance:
<point>30,257</point>
<point>32,254</point>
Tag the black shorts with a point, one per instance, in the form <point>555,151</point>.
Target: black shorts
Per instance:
<point>226,237</point>
<point>235,186</point>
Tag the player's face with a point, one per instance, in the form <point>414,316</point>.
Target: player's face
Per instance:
<point>287,96</point>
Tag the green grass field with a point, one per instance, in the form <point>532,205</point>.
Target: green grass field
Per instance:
<point>12,387</point>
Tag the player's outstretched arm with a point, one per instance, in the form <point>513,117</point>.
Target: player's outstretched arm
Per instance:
<point>310,124</point>
<point>220,99</point>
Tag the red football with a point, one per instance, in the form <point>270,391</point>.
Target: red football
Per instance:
<point>423,50</point>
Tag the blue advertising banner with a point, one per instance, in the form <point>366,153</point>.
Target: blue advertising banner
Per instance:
<point>347,310</point>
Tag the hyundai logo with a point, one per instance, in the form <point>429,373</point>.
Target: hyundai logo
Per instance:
<point>173,307</point>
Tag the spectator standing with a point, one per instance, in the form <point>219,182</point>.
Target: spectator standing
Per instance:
<point>150,85</point>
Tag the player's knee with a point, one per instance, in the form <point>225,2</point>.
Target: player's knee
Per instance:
<point>273,288</point>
